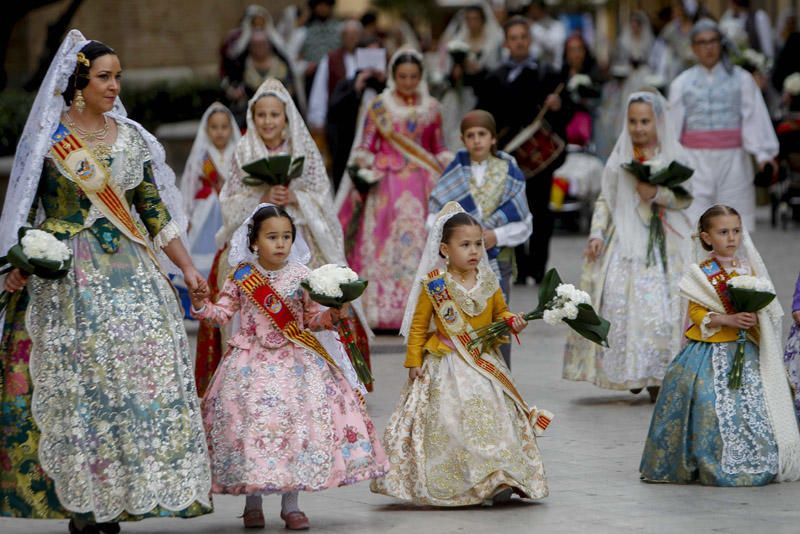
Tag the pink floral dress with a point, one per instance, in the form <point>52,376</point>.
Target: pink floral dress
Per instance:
<point>277,417</point>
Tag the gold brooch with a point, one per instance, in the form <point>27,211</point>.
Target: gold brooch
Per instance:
<point>82,60</point>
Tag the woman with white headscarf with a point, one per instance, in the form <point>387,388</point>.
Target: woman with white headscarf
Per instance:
<point>274,126</point>
<point>206,168</point>
<point>113,432</point>
<point>401,146</point>
<point>637,293</point>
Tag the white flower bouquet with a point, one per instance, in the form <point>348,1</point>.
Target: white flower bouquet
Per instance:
<point>458,50</point>
<point>363,178</point>
<point>747,294</point>
<point>333,286</point>
<point>791,84</point>
<point>578,80</point>
<point>754,60</point>
<point>37,253</point>
<point>558,302</point>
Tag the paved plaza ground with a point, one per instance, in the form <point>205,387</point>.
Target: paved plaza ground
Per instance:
<point>591,453</point>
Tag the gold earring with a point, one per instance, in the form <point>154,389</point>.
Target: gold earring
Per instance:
<point>447,260</point>
<point>80,103</point>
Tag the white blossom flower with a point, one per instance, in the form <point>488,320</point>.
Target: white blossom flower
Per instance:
<point>570,310</point>
<point>457,45</point>
<point>656,165</point>
<point>552,317</point>
<point>327,279</point>
<point>751,282</point>
<point>791,84</point>
<point>578,80</point>
<point>756,59</point>
<point>368,176</point>
<point>41,245</point>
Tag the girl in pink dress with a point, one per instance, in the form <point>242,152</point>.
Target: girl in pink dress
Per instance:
<point>279,414</point>
<point>401,144</point>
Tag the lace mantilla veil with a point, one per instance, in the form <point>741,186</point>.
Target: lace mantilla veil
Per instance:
<point>240,244</point>
<point>432,260</point>
<point>34,145</point>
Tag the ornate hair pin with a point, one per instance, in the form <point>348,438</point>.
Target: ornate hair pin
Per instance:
<point>83,60</point>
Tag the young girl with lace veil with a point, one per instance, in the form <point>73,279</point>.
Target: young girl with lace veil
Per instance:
<point>280,415</point>
<point>636,292</point>
<point>113,432</point>
<point>461,433</point>
<point>206,170</point>
<point>275,126</point>
<point>704,429</point>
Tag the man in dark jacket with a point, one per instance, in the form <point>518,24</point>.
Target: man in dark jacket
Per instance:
<point>514,94</point>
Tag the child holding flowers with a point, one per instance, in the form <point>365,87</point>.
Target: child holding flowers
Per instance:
<point>461,433</point>
<point>280,415</point>
<point>706,427</point>
<point>632,270</point>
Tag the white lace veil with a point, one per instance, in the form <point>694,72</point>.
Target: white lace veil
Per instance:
<point>493,38</point>
<point>619,187</point>
<point>432,260</point>
<point>190,184</point>
<point>240,244</point>
<point>34,145</point>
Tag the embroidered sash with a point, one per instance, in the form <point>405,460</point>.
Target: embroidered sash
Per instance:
<point>718,278</point>
<point>383,121</point>
<point>209,179</point>
<point>92,178</point>
<point>461,333</point>
<point>257,288</point>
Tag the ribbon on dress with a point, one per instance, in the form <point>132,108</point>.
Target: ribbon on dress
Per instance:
<point>257,288</point>
<point>461,333</point>
<point>91,176</point>
<point>402,143</point>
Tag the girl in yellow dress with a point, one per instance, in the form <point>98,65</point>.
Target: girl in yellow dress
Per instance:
<point>461,433</point>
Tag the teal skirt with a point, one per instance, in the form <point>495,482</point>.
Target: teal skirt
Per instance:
<point>702,431</point>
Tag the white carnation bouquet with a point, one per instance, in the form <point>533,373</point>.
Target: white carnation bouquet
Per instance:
<point>791,84</point>
<point>558,302</point>
<point>363,178</point>
<point>333,286</point>
<point>578,80</point>
<point>37,253</point>
<point>747,294</point>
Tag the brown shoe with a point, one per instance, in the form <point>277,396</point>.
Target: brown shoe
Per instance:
<point>296,520</point>
<point>253,518</point>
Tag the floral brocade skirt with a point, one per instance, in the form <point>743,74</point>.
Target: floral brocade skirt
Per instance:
<point>114,430</point>
<point>791,358</point>
<point>702,431</point>
<point>280,420</point>
<point>455,438</point>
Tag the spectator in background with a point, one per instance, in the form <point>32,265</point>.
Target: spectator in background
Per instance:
<point>335,66</point>
<point>752,24</point>
<point>547,34</point>
<point>788,60</point>
<point>349,98</point>
<point>319,35</point>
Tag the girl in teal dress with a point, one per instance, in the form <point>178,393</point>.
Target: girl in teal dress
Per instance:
<point>703,430</point>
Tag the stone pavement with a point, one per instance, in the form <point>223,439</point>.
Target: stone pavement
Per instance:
<point>591,454</point>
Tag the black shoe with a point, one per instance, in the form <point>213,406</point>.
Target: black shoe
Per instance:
<point>636,391</point>
<point>653,391</point>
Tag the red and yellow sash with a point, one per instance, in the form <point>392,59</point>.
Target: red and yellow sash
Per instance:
<point>461,333</point>
<point>383,121</point>
<point>209,179</point>
<point>257,288</point>
<point>718,277</point>
<point>92,178</point>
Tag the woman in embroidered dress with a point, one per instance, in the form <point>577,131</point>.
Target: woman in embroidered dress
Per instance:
<point>791,356</point>
<point>114,431</point>
<point>401,142</point>
<point>703,430</point>
<point>461,434</point>
<point>209,162</point>
<point>638,296</point>
<point>281,417</point>
<point>274,126</point>
<point>488,185</point>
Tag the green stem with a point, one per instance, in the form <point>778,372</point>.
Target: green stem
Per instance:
<point>737,367</point>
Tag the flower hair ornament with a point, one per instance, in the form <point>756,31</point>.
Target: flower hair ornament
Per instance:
<point>240,244</point>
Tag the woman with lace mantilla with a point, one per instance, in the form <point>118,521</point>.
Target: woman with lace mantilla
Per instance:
<point>114,431</point>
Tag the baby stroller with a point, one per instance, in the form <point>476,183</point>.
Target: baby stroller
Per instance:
<point>784,191</point>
